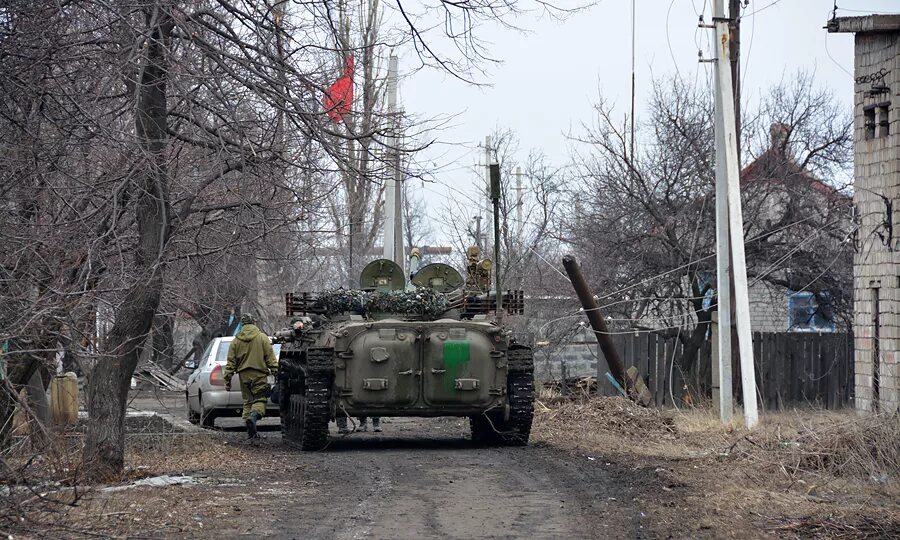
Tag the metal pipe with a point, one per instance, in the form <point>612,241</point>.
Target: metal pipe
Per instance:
<point>592,310</point>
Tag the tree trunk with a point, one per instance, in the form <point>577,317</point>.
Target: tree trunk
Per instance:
<point>164,341</point>
<point>20,369</point>
<point>40,406</point>
<point>110,376</point>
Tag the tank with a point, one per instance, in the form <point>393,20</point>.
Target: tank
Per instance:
<point>435,346</point>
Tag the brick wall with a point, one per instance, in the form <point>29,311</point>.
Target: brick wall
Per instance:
<point>768,308</point>
<point>877,201</point>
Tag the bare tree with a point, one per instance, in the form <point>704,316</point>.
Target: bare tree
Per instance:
<point>645,222</point>
<point>154,146</point>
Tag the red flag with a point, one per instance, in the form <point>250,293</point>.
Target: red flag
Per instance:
<point>339,97</point>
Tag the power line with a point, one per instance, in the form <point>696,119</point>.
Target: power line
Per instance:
<point>669,40</point>
<point>838,64</point>
<point>767,6</point>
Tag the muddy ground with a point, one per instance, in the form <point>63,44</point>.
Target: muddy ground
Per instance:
<point>600,470</point>
<point>419,478</point>
<point>423,479</point>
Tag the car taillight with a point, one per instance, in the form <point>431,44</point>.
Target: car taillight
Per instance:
<point>217,375</point>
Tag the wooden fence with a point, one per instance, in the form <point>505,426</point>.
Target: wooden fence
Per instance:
<point>792,369</point>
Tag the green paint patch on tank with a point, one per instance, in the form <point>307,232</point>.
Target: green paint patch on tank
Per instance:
<point>456,356</point>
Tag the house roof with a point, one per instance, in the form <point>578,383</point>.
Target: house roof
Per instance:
<point>866,24</point>
<point>776,165</point>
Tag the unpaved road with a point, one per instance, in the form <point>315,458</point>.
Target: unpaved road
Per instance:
<point>421,478</point>
<point>424,479</point>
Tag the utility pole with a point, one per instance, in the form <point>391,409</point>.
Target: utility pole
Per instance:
<point>631,138</point>
<point>724,306</point>
<point>488,204</point>
<point>734,13</point>
<point>520,221</point>
<point>478,232</point>
<point>495,201</point>
<point>728,180</point>
<point>393,188</point>
<point>598,324</point>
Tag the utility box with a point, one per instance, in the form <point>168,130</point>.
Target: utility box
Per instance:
<point>64,400</point>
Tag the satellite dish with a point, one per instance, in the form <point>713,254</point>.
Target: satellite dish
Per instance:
<point>441,277</point>
<point>382,275</point>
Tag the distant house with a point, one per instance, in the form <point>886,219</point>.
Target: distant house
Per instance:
<point>777,191</point>
<point>876,268</point>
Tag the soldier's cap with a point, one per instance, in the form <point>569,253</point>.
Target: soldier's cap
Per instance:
<point>247,318</point>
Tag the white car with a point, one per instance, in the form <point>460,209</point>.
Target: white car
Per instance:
<point>206,396</point>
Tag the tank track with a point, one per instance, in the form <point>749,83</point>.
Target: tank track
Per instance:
<point>515,430</point>
<point>306,399</point>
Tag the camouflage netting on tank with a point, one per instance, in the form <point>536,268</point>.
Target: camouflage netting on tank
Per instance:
<point>421,302</point>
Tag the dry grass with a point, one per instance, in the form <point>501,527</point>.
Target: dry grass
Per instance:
<point>155,455</point>
<point>47,497</point>
<point>805,473</point>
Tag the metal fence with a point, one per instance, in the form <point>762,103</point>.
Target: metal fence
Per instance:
<point>792,369</point>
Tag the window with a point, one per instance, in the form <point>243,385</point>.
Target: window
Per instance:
<point>870,122</point>
<point>884,123</point>
<point>222,353</point>
<point>706,282</point>
<point>206,354</point>
<point>877,120</point>
<point>808,312</point>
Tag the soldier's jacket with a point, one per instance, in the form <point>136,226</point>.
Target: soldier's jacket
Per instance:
<point>250,350</point>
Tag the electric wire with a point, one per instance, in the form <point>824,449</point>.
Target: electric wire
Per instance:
<point>767,6</point>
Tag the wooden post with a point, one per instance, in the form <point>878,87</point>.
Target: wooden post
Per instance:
<point>64,400</point>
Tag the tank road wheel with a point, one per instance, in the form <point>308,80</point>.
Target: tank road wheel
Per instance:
<point>308,401</point>
<point>514,431</point>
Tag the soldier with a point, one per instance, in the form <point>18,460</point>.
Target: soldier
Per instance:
<point>364,424</point>
<point>250,355</point>
<point>341,422</point>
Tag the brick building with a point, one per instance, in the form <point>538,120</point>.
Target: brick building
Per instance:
<point>877,200</point>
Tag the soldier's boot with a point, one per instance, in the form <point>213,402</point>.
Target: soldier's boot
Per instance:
<point>376,424</point>
<point>341,422</point>
<point>363,424</point>
<point>251,425</point>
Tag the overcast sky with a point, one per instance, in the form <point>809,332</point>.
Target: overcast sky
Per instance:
<point>550,76</point>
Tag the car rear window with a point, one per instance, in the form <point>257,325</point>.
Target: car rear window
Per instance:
<point>222,353</point>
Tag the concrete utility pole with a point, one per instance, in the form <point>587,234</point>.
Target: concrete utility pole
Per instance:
<point>393,188</point>
<point>734,12</point>
<point>724,281</point>
<point>488,204</point>
<point>520,221</point>
<point>728,180</point>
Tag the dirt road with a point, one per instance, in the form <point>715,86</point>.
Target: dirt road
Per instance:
<point>603,468</point>
<point>421,478</point>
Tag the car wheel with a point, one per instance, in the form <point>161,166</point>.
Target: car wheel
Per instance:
<point>207,418</point>
<point>193,417</point>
